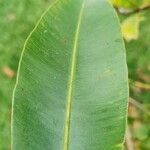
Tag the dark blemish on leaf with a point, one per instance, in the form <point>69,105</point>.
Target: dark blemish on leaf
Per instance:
<point>45,52</point>
<point>118,40</point>
<point>64,41</point>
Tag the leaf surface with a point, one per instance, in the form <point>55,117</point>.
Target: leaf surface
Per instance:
<point>72,88</point>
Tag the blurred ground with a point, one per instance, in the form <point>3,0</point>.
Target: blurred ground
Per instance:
<point>138,59</point>
<point>17,19</point>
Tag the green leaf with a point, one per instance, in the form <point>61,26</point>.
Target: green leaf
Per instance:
<point>131,27</point>
<point>72,87</point>
<point>142,133</point>
<point>132,4</point>
<point>145,3</point>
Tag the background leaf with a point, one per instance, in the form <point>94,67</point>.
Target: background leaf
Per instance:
<point>127,3</point>
<point>131,26</point>
<point>17,19</point>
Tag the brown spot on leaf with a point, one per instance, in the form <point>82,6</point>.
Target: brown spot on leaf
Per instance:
<point>11,17</point>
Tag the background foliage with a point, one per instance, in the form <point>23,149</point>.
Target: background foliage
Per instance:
<point>135,21</point>
<point>17,19</point>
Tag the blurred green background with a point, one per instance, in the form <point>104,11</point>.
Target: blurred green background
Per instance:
<point>17,19</point>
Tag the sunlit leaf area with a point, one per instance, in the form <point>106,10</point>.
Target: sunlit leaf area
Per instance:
<point>17,20</point>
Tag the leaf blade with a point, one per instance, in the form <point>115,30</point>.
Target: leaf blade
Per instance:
<point>45,67</point>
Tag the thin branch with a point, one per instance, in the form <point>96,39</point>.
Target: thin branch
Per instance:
<point>129,140</point>
<point>141,85</point>
<point>137,10</point>
<point>139,105</point>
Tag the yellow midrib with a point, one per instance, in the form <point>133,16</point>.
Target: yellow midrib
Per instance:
<point>70,84</point>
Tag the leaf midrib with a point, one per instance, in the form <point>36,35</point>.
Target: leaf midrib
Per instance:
<point>71,80</point>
